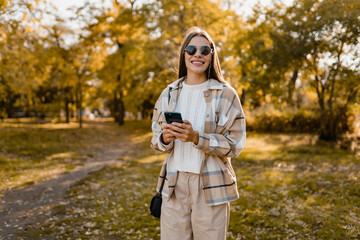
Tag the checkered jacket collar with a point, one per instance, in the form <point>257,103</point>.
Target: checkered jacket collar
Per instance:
<point>213,84</point>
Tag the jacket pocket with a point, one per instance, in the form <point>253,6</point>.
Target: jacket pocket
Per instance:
<point>221,123</point>
<point>223,119</point>
<point>161,118</point>
<point>170,185</point>
<point>158,116</point>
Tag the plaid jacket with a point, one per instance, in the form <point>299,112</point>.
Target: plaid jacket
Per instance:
<point>223,137</point>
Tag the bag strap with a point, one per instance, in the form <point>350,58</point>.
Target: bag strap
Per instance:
<point>163,181</point>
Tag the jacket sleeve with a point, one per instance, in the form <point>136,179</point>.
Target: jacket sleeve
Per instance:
<point>229,139</point>
<point>157,120</point>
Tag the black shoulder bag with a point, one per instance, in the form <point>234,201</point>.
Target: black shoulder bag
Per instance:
<point>156,201</point>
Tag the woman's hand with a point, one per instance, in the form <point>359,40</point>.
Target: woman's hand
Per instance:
<point>184,132</point>
<point>167,134</point>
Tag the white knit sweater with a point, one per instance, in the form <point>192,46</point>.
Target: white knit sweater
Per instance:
<point>191,104</point>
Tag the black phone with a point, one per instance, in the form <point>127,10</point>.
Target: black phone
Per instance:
<point>173,117</point>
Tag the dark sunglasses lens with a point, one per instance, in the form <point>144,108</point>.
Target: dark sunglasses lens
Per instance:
<point>205,50</point>
<point>191,50</point>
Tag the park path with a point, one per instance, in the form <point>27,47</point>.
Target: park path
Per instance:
<point>24,206</point>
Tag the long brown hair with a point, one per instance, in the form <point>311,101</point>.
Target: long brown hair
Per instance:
<point>215,69</point>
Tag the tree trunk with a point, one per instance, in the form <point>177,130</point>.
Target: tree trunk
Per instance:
<point>115,107</point>
<point>330,122</point>
<point>243,96</point>
<point>76,103</point>
<point>328,127</point>
<point>67,102</point>
<point>79,99</point>
<point>121,110</point>
<point>67,110</point>
<point>119,107</point>
<point>80,106</point>
<point>291,87</point>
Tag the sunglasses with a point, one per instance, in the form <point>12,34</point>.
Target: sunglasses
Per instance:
<point>204,50</point>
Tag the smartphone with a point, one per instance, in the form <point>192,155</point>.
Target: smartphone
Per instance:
<point>173,117</point>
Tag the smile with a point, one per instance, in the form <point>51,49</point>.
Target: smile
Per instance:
<point>197,63</point>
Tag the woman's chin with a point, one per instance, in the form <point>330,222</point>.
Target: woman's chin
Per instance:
<point>196,70</point>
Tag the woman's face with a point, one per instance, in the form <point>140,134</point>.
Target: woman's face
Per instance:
<point>197,63</point>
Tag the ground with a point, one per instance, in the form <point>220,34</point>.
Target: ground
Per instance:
<point>290,186</point>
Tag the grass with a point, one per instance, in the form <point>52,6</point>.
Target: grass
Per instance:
<point>30,152</point>
<point>296,191</point>
<point>112,205</point>
<point>290,188</point>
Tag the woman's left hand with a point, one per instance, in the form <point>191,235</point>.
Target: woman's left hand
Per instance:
<point>185,132</point>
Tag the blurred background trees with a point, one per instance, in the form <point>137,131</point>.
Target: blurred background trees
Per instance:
<point>295,67</point>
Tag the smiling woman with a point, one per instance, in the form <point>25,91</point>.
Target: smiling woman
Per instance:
<point>200,54</point>
<point>197,181</point>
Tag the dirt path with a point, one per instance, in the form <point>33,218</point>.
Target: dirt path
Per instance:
<point>23,206</point>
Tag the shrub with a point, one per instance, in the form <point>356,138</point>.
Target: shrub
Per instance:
<point>269,119</point>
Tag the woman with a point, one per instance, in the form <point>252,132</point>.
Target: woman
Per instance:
<point>200,182</point>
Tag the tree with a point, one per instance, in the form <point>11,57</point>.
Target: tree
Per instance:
<point>25,69</point>
<point>318,38</point>
<point>262,72</point>
<point>121,28</point>
<point>335,37</point>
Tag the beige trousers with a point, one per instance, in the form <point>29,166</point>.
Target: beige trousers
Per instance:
<point>186,216</point>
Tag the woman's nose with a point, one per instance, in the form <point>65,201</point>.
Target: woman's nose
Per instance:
<point>197,53</point>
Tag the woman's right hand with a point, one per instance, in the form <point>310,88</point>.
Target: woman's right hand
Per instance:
<point>167,134</point>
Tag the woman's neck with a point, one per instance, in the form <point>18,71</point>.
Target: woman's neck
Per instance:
<point>194,79</point>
